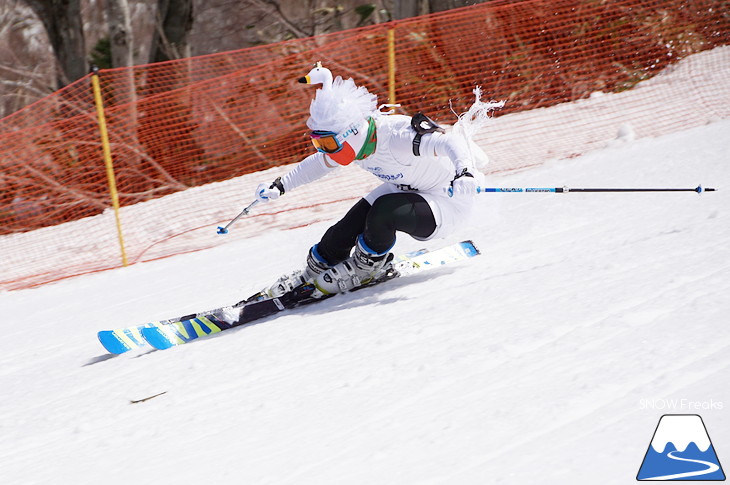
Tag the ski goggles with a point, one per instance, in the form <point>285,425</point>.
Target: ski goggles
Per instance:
<point>325,141</point>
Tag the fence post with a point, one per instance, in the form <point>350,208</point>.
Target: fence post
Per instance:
<point>391,63</point>
<point>108,158</point>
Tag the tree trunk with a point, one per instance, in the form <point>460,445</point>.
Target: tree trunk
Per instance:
<point>174,22</point>
<point>403,9</point>
<point>442,5</point>
<point>173,148</point>
<point>121,37</point>
<point>121,41</point>
<point>63,23</point>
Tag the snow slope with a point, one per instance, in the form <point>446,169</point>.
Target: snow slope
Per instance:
<point>548,359</point>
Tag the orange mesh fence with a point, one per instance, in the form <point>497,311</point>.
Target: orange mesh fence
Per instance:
<point>190,138</point>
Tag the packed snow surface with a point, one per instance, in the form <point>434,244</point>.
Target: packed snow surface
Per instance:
<point>548,359</point>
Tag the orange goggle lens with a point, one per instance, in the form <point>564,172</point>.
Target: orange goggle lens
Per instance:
<point>326,141</point>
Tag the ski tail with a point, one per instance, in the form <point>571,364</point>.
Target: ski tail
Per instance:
<point>123,340</point>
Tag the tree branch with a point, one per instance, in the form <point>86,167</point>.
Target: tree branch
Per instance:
<point>273,9</point>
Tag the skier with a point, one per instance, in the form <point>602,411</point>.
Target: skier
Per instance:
<point>430,179</point>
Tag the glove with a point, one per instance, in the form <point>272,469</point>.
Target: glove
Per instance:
<point>267,192</point>
<point>463,185</point>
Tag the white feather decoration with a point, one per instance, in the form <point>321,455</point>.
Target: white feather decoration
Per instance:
<point>340,106</point>
<point>473,121</point>
<point>478,115</point>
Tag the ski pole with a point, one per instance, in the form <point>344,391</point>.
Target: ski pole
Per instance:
<point>224,230</point>
<point>564,190</point>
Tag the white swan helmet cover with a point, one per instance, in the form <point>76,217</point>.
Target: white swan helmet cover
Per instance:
<point>341,117</point>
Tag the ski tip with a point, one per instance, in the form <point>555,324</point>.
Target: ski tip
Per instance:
<point>156,337</point>
<point>112,343</point>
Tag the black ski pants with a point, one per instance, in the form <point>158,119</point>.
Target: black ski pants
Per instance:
<point>403,211</point>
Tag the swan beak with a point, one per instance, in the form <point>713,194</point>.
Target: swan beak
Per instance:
<point>305,80</point>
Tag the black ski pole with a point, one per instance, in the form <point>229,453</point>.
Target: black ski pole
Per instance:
<point>564,190</point>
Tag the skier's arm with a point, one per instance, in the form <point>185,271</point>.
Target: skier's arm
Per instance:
<point>456,148</point>
<point>449,145</point>
<point>312,168</point>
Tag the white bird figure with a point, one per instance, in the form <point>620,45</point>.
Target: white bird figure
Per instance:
<point>339,103</point>
<point>318,75</point>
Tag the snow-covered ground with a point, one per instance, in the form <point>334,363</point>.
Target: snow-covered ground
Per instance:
<point>549,359</point>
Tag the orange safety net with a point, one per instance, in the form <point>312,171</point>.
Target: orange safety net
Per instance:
<point>187,124</point>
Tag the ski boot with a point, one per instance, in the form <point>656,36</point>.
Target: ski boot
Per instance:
<point>316,265</point>
<point>363,267</point>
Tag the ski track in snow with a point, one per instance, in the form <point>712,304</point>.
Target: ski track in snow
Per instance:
<point>524,365</point>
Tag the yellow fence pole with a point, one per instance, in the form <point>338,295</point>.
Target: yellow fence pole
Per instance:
<point>391,65</point>
<point>108,158</point>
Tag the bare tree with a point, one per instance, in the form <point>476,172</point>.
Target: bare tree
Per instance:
<point>62,21</point>
<point>121,38</point>
<point>441,5</point>
<point>174,22</point>
<point>403,9</point>
<point>121,41</point>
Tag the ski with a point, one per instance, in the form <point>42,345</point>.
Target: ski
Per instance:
<point>124,339</point>
<point>168,333</point>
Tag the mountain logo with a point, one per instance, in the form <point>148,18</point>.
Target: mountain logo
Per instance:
<point>681,450</point>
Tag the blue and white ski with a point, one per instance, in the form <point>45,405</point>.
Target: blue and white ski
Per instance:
<point>168,333</point>
<point>124,339</point>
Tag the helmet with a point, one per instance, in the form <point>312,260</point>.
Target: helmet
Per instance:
<point>341,117</point>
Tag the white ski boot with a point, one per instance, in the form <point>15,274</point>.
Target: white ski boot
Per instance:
<point>316,265</point>
<point>359,269</point>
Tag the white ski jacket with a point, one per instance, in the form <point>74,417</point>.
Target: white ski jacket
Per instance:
<point>442,156</point>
